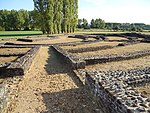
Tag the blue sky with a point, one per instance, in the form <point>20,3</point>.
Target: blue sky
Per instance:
<point>132,11</point>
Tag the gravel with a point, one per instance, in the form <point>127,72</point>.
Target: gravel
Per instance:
<point>50,87</point>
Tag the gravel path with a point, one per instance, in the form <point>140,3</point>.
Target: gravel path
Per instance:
<point>51,87</point>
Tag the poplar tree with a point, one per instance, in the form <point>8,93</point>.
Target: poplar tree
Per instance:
<point>40,6</point>
<point>58,5</point>
<point>57,15</point>
<point>50,16</point>
<point>75,15</point>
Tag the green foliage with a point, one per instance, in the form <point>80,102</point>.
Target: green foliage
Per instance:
<point>17,20</point>
<point>57,15</point>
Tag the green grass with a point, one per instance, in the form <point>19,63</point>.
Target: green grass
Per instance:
<point>21,34</point>
<point>18,34</point>
<point>96,31</point>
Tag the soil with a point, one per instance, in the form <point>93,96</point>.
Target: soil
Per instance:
<point>144,90</point>
<point>92,45</point>
<point>121,65</point>
<point>116,38</point>
<point>55,41</point>
<point>7,59</point>
<point>51,87</point>
<point>120,50</point>
<point>13,50</point>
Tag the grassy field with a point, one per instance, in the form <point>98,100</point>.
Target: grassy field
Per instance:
<point>18,34</point>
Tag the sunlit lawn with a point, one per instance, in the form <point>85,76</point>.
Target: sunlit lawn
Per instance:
<point>18,34</point>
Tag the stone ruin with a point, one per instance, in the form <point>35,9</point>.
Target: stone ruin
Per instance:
<point>114,90</point>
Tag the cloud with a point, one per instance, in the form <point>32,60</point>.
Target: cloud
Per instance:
<point>114,11</point>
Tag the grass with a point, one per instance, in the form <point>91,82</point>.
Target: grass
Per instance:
<point>18,34</point>
<point>96,31</point>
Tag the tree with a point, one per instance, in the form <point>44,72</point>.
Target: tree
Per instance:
<point>85,24</point>
<point>58,4</point>
<point>93,24</point>
<point>40,6</point>
<point>79,23</point>
<point>50,17</point>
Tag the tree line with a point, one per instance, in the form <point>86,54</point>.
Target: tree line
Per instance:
<point>17,20</point>
<point>101,24</point>
<point>57,16</point>
<point>49,16</point>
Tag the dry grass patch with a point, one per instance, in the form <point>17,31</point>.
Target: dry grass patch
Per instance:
<point>144,90</point>
<point>116,38</point>
<point>13,50</point>
<point>91,45</point>
<point>119,50</point>
<point>7,59</point>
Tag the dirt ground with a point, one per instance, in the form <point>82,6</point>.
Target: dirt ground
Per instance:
<point>13,50</point>
<point>54,41</point>
<point>116,38</point>
<point>7,59</point>
<point>144,90</point>
<point>121,65</point>
<point>92,45</point>
<point>51,87</point>
<point>120,50</point>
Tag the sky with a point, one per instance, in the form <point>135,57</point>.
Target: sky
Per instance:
<point>123,11</point>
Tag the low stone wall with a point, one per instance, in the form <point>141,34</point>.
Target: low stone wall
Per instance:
<point>112,89</point>
<point>72,61</point>
<point>3,97</point>
<point>34,39</point>
<point>85,37</point>
<point>12,54</point>
<point>87,49</point>
<point>116,57</point>
<point>21,65</point>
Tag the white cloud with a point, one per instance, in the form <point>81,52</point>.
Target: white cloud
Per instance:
<point>130,11</point>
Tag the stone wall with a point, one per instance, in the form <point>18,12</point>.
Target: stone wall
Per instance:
<point>112,89</point>
<point>73,61</point>
<point>3,97</point>
<point>116,57</point>
<point>88,49</point>
<point>11,54</point>
<point>20,66</point>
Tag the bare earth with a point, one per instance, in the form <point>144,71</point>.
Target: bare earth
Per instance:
<point>13,50</point>
<point>120,50</point>
<point>121,65</point>
<point>116,38</point>
<point>7,59</point>
<point>144,90</point>
<point>51,88</point>
<point>92,45</point>
<point>55,41</point>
